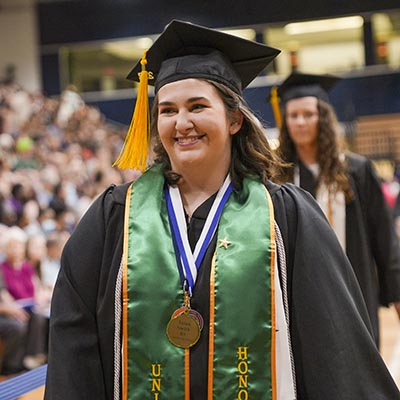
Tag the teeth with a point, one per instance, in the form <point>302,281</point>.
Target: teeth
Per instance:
<point>187,140</point>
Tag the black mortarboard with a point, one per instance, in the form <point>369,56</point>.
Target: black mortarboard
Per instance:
<point>185,50</point>
<point>299,85</point>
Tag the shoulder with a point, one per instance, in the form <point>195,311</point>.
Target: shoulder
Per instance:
<point>298,215</point>
<point>104,215</point>
<point>363,174</point>
<point>358,164</point>
<point>108,202</point>
<point>292,198</point>
<point>355,159</point>
<point>118,192</point>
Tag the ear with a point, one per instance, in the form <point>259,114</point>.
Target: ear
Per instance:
<point>236,122</point>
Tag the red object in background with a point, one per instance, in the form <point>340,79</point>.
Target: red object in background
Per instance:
<point>389,193</point>
<point>381,48</point>
<point>382,52</point>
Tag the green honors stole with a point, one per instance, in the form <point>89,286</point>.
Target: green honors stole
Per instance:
<point>242,308</point>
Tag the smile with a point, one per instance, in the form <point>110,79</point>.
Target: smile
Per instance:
<point>188,140</point>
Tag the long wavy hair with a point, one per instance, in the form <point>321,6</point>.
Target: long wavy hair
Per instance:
<point>251,153</point>
<point>332,165</point>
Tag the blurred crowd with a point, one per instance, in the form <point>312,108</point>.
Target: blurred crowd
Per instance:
<point>55,158</point>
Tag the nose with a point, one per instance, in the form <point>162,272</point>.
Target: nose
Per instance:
<point>299,119</point>
<point>183,123</point>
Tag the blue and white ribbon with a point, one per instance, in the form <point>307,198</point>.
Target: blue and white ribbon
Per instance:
<point>190,262</point>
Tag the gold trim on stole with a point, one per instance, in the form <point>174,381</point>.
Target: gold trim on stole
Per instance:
<point>211,331</point>
<point>125,298</point>
<point>273,311</point>
<point>187,374</point>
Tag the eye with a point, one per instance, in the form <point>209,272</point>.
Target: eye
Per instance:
<point>197,107</point>
<point>166,110</point>
<point>308,115</point>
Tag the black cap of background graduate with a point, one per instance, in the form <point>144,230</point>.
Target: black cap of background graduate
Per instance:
<point>182,51</point>
<point>185,50</point>
<point>299,85</point>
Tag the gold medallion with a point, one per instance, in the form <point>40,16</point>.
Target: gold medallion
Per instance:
<point>183,330</point>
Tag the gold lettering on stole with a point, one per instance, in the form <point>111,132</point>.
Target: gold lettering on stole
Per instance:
<point>243,369</point>
<point>156,380</point>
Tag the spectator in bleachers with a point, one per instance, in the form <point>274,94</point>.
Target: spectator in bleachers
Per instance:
<point>70,101</point>
<point>29,220</point>
<point>57,201</point>
<point>13,327</point>
<point>13,324</point>
<point>36,252</point>
<point>50,265</point>
<point>23,285</point>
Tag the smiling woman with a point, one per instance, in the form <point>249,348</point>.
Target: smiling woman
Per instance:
<point>195,130</point>
<point>202,279</point>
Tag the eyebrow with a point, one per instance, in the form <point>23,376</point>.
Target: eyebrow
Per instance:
<point>190,100</point>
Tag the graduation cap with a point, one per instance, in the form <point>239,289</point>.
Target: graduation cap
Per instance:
<point>185,50</point>
<point>299,85</point>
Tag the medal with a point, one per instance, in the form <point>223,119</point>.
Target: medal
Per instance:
<point>185,325</point>
<point>183,330</point>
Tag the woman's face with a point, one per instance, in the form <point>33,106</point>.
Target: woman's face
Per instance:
<point>194,127</point>
<point>302,121</point>
<point>15,252</point>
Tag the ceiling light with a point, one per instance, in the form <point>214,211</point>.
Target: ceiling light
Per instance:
<point>324,25</point>
<point>129,48</point>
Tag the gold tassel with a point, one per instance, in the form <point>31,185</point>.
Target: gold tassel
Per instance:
<point>135,149</point>
<point>274,99</point>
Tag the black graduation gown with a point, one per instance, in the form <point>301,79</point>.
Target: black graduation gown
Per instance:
<point>334,353</point>
<point>371,242</point>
